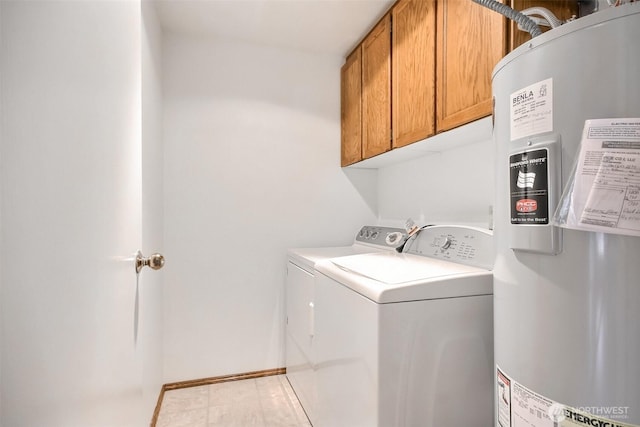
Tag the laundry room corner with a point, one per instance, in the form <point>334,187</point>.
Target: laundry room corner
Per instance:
<point>454,186</point>
<point>251,169</point>
<point>365,182</point>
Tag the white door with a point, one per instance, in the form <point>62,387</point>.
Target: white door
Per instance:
<point>73,316</point>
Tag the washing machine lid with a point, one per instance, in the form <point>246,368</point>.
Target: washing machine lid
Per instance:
<point>392,277</point>
<point>395,268</point>
<point>370,238</point>
<point>307,258</point>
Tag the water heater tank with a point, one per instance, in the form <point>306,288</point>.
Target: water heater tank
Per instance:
<point>566,301</point>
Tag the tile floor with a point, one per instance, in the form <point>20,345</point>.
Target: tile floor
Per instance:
<point>260,402</point>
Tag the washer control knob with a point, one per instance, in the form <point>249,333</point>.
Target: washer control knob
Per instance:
<point>393,239</point>
<point>446,244</point>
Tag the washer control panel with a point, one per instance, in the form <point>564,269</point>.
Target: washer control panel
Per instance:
<point>464,245</point>
<point>381,236</point>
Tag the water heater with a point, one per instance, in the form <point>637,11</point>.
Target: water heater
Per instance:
<point>566,299</point>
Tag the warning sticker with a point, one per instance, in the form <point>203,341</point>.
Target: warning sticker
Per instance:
<point>532,110</point>
<point>529,187</point>
<point>519,406</point>
<point>504,400</point>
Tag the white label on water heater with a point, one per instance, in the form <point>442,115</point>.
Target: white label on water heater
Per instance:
<point>532,110</point>
<point>503,399</point>
<point>519,406</point>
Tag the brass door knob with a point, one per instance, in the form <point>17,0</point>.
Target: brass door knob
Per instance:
<point>155,261</point>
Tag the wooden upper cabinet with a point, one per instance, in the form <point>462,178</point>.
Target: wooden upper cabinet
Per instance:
<point>430,74</point>
<point>376,90</point>
<point>562,9</point>
<point>413,60</point>
<point>351,108</point>
<point>471,40</point>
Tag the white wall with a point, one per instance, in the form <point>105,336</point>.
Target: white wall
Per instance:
<point>251,168</point>
<point>453,186</point>
<point>71,215</point>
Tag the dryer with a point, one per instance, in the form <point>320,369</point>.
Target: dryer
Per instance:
<point>406,339</point>
<point>299,294</point>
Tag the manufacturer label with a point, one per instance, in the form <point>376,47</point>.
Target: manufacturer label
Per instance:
<point>526,205</point>
<point>532,110</point>
<point>529,186</point>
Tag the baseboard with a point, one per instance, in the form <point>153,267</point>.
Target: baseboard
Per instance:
<point>209,381</point>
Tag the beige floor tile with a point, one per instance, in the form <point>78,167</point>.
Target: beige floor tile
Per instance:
<point>232,392</point>
<point>237,415</point>
<point>218,415</point>
<point>188,418</point>
<point>262,402</point>
<point>272,386</point>
<point>281,412</point>
<point>185,399</point>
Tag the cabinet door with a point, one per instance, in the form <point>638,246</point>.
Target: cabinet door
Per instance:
<point>413,71</point>
<point>562,9</point>
<point>376,90</point>
<point>471,39</point>
<point>351,109</point>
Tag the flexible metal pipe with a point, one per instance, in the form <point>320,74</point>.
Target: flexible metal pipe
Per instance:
<point>523,20</point>
<point>545,13</point>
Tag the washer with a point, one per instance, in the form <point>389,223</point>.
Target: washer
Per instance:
<point>407,339</point>
<point>300,284</point>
